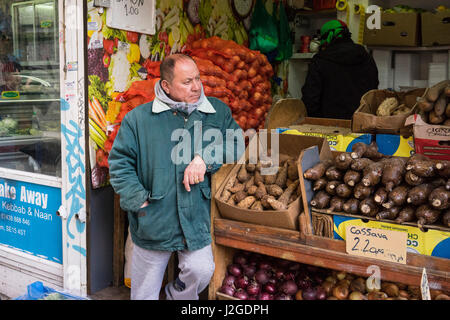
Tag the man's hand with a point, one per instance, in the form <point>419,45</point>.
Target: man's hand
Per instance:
<point>194,172</point>
<point>146,203</point>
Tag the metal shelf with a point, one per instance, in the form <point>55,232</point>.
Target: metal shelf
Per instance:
<point>302,56</point>
<point>415,49</point>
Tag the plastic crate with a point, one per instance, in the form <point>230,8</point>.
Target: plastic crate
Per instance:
<point>324,4</point>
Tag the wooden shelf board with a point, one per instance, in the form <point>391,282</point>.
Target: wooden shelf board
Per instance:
<point>327,253</point>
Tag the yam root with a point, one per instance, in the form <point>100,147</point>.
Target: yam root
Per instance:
<point>393,173</point>
<point>447,90</point>
<point>380,196</point>
<point>321,200</point>
<point>407,214</point>
<point>243,175</point>
<point>331,187</point>
<point>352,177</point>
<point>358,150</point>
<point>425,214</point>
<point>270,178</point>
<point>398,195</point>
<point>257,206</point>
<point>418,195</point>
<point>225,192</point>
<point>351,206</point>
<point>390,214</point>
<point>446,218</point>
<point>239,196</point>
<point>232,200</point>
<point>368,207</point>
<point>423,168</point>
<point>292,170</point>
<point>252,190</point>
<point>264,201</point>
<point>343,161</point>
<point>440,105</point>
<point>424,105</point>
<point>447,111</point>
<point>361,191</point>
<point>372,152</point>
<point>442,168</point>
<point>260,191</point>
<point>274,190</point>
<point>343,190</point>
<point>321,183</point>
<point>415,158</point>
<point>439,198</point>
<point>237,187</point>
<point>251,167</point>
<point>332,173</point>
<point>360,164</point>
<point>258,178</point>
<point>336,204</point>
<point>318,170</point>
<point>276,205</point>
<point>412,179</point>
<point>434,92</point>
<point>372,174</point>
<point>284,198</point>
<point>447,185</point>
<point>282,176</point>
<point>250,182</point>
<point>433,118</point>
<point>247,202</point>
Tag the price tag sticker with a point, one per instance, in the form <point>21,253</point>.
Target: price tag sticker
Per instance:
<point>387,245</point>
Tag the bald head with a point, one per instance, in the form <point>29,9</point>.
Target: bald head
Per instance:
<point>167,67</point>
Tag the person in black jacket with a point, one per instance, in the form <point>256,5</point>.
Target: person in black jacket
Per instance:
<point>339,74</point>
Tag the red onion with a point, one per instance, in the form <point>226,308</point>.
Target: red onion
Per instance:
<point>290,275</point>
<point>283,296</point>
<point>279,273</point>
<point>304,283</point>
<point>262,276</point>
<point>270,288</point>
<point>265,265</point>
<point>234,270</point>
<point>249,270</point>
<point>272,280</point>
<point>240,259</point>
<point>253,288</point>
<point>321,294</point>
<point>241,282</point>
<point>295,266</point>
<point>288,287</point>
<point>309,294</point>
<point>241,294</point>
<point>228,290</point>
<point>252,298</point>
<point>265,296</point>
<point>228,280</point>
<point>283,263</point>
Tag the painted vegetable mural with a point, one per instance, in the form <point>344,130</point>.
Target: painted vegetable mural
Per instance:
<point>123,67</point>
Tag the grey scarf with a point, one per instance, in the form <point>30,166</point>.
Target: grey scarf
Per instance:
<point>184,107</point>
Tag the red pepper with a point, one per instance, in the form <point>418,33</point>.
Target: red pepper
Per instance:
<point>162,36</point>
<point>132,36</point>
<point>108,45</point>
<point>106,60</point>
<point>116,42</point>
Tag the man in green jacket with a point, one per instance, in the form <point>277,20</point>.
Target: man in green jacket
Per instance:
<point>161,164</point>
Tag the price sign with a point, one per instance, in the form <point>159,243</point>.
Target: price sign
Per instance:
<point>132,15</point>
<point>375,243</point>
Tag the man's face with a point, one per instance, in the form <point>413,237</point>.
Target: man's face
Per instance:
<point>186,85</point>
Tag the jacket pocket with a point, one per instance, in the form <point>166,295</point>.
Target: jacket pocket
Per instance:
<point>152,223</point>
<point>160,184</point>
<point>206,192</point>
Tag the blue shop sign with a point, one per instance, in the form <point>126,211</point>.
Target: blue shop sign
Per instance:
<point>28,220</point>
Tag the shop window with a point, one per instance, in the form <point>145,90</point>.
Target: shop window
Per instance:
<point>30,118</point>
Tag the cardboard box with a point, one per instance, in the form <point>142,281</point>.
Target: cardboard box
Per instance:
<point>290,145</point>
<point>435,28</point>
<point>365,120</point>
<point>397,29</point>
<point>339,139</point>
<point>430,140</point>
<point>431,243</point>
<point>395,145</point>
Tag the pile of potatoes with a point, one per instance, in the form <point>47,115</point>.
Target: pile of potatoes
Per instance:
<point>435,105</point>
<point>249,189</point>
<point>366,182</point>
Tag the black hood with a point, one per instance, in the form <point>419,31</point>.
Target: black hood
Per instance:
<point>344,51</point>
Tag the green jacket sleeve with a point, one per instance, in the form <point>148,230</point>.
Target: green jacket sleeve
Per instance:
<point>122,169</point>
